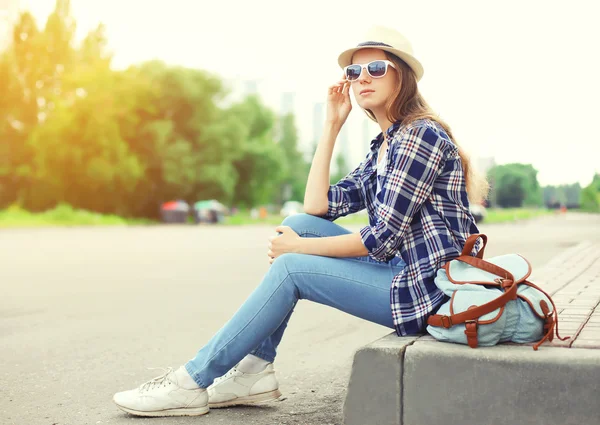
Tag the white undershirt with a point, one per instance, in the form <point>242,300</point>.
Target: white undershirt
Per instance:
<point>381,167</point>
<point>381,160</point>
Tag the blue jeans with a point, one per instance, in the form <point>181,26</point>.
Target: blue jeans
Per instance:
<point>356,285</point>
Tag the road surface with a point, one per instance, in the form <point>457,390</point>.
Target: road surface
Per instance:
<point>85,311</point>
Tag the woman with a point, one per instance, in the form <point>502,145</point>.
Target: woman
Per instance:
<point>415,183</point>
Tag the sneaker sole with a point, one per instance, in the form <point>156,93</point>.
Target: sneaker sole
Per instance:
<point>196,411</point>
<point>251,399</point>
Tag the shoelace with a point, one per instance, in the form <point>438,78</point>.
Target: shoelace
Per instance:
<point>227,375</point>
<point>158,381</point>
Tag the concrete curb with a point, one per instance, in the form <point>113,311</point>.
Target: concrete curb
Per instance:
<point>420,381</point>
<point>454,384</point>
<point>374,394</point>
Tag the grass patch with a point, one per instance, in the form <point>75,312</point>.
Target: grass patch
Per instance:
<point>65,215</point>
<point>494,215</point>
<point>503,215</point>
<point>62,215</point>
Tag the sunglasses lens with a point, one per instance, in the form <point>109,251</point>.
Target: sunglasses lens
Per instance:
<point>353,72</point>
<point>377,68</point>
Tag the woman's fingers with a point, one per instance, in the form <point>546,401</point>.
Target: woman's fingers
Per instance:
<point>345,88</point>
<point>338,86</point>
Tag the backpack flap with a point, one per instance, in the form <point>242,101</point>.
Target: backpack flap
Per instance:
<point>460,273</point>
<point>490,326</point>
<point>456,274</point>
<point>531,315</point>
<point>533,297</point>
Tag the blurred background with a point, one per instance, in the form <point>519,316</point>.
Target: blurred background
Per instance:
<point>179,111</point>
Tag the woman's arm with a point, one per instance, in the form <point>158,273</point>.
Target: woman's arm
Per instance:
<point>350,245</point>
<point>317,186</point>
<point>340,199</point>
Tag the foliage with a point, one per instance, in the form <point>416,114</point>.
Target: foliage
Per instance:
<point>590,195</point>
<point>295,173</point>
<point>76,131</point>
<point>61,215</point>
<point>514,185</point>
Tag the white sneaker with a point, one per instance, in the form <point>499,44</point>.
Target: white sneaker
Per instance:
<point>236,387</point>
<point>162,396</point>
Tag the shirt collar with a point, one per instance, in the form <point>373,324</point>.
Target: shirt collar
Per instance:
<point>377,141</point>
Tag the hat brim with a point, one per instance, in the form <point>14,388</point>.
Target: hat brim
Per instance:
<point>345,58</point>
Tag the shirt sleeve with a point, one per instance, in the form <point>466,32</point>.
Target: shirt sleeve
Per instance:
<point>346,196</point>
<point>418,160</point>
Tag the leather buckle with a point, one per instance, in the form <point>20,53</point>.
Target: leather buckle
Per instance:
<point>446,322</point>
<point>471,332</point>
<point>472,322</point>
<point>471,328</point>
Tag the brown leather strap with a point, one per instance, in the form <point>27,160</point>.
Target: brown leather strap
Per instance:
<point>488,267</point>
<point>471,330</point>
<point>470,243</point>
<point>553,326</point>
<point>548,325</point>
<point>548,320</point>
<point>473,313</point>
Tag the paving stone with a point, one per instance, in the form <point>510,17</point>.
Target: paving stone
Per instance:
<point>589,333</point>
<point>571,317</point>
<point>577,311</point>
<point>585,303</point>
<point>594,318</point>
<point>585,343</point>
<point>568,331</point>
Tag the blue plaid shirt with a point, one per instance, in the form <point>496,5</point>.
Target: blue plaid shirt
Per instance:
<point>420,212</point>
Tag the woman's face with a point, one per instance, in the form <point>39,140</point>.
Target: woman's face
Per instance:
<point>379,88</point>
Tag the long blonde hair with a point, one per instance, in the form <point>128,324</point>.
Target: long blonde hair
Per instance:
<point>407,105</point>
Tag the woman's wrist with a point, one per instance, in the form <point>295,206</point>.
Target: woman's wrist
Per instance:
<point>333,125</point>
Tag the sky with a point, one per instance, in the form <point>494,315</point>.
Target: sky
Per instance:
<point>515,80</point>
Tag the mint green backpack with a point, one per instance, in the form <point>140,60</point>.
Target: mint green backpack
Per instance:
<point>491,301</point>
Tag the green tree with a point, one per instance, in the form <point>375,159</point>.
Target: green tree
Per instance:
<point>76,131</point>
<point>262,160</point>
<point>32,71</point>
<point>341,169</point>
<point>515,185</point>
<point>295,170</point>
<point>590,195</point>
<point>184,140</point>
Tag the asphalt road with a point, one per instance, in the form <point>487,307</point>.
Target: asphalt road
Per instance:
<point>85,311</point>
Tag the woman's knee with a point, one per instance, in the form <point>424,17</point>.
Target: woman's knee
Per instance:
<point>288,262</point>
<point>284,266</point>
<point>298,270</point>
<point>301,222</point>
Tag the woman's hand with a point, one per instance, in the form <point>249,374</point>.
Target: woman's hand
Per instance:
<point>287,241</point>
<point>338,102</point>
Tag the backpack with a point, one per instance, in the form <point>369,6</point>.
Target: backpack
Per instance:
<point>491,301</point>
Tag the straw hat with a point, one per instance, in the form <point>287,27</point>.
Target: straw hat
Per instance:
<point>387,39</point>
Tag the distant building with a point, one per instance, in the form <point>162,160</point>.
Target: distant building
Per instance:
<point>484,164</point>
<point>286,107</point>
<point>250,87</point>
<point>343,147</point>
<point>287,103</point>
